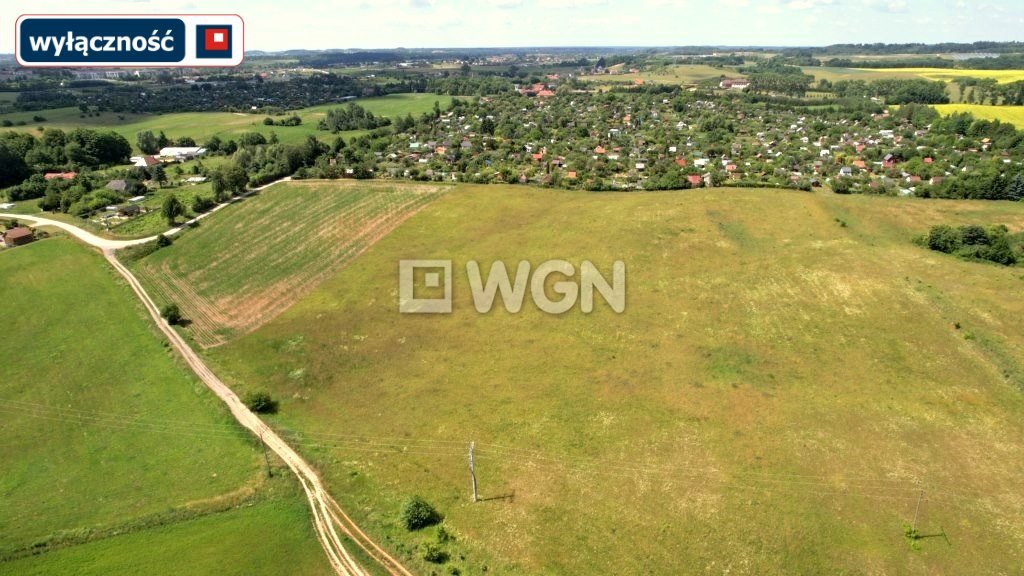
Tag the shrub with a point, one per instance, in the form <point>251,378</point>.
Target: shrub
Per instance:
<point>171,313</point>
<point>443,535</point>
<point>162,241</point>
<point>417,513</point>
<point>944,238</point>
<point>261,402</point>
<point>201,204</point>
<point>434,554</point>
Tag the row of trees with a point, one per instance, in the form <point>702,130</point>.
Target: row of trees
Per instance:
<point>351,117</point>
<point>22,154</point>
<point>893,90</point>
<point>994,243</point>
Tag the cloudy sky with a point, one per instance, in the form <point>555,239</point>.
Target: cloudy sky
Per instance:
<point>317,24</point>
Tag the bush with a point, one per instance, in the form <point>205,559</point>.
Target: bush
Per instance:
<point>944,239</point>
<point>417,514</point>
<point>171,313</point>
<point>261,403</point>
<point>994,244</point>
<point>444,536</point>
<point>434,554</point>
<point>201,204</point>
<point>162,241</point>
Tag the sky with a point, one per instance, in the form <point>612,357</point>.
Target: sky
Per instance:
<point>274,25</point>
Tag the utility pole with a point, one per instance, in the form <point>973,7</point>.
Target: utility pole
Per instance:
<point>472,471</point>
<point>920,496</point>
<point>266,458</point>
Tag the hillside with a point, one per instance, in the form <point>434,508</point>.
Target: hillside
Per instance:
<point>789,372</point>
<point>109,442</point>
<point>259,255</point>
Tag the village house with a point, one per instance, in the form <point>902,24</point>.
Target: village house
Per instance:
<point>18,236</point>
<point>60,175</point>
<point>181,153</point>
<point>144,161</point>
<point>734,84</point>
<point>117,185</point>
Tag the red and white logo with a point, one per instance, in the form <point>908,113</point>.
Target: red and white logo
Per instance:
<point>217,39</point>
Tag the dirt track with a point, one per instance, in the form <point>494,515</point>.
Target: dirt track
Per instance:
<point>333,527</point>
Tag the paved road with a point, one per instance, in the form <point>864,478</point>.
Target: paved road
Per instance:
<point>330,522</point>
<point>108,244</point>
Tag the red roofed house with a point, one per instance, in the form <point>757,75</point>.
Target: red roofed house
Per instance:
<point>538,157</point>
<point>928,160</point>
<point>147,162</point>
<point>681,162</point>
<point>599,150</point>
<point>860,164</point>
<point>889,161</point>
<point>545,94</point>
<point>61,175</point>
<point>571,174</point>
<point>17,236</point>
<point>694,180</point>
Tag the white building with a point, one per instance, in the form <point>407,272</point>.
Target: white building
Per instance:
<point>181,152</point>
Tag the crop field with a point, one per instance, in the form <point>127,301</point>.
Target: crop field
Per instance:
<point>104,432</point>
<point>256,257</point>
<point>867,74</point>
<point>678,74</point>
<point>1012,114</point>
<point>1002,76</point>
<point>776,393</point>
<point>203,125</point>
<point>943,74</point>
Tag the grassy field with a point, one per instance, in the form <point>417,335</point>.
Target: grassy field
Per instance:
<point>677,74</point>
<point>253,259</point>
<point>1012,114</point>
<point>771,399</point>
<point>268,538</point>
<point>104,432</point>
<point>203,125</point>
<point>835,74</point>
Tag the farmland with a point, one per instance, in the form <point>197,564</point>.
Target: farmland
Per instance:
<point>1012,114</point>
<point>789,370</point>
<point>942,74</point>
<point>104,433</point>
<point>256,257</point>
<point>677,74</point>
<point>203,125</point>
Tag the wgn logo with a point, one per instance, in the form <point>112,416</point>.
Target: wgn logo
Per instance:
<point>193,40</point>
<point>425,286</point>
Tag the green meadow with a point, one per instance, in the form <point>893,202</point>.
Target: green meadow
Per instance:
<point>109,440</point>
<point>201,126</point>
<point>789,372</point>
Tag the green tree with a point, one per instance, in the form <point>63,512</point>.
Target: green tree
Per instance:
<point>159,174</point>
<point>260,402</point>
<point>418,513</point>
<point>171,313</point>
<point>171,209</point>
<point>147,142</point>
